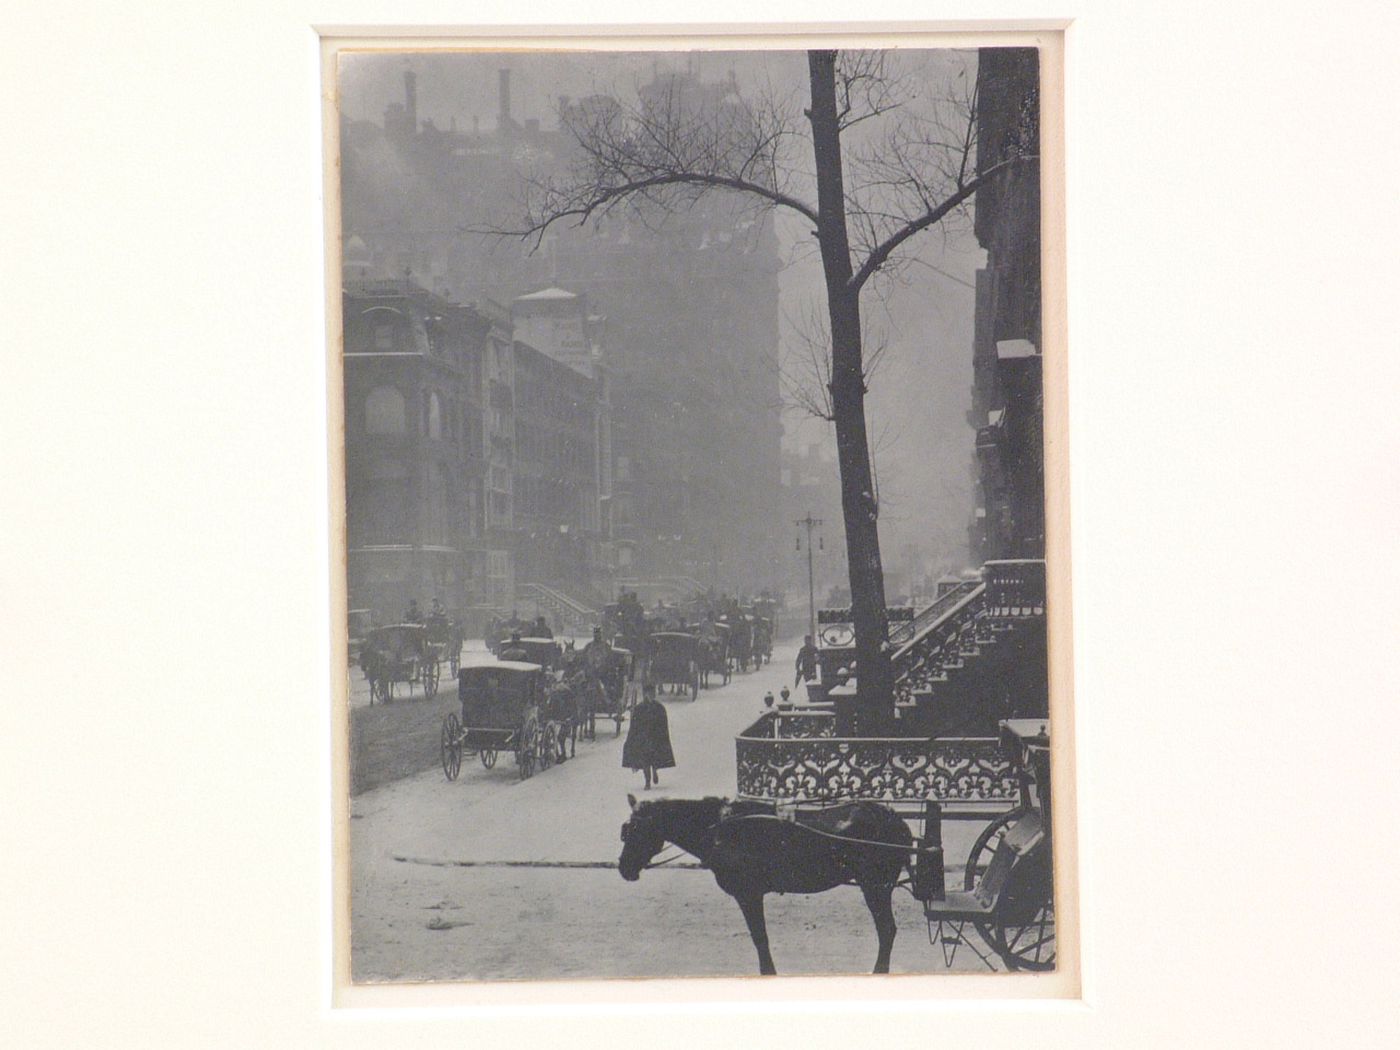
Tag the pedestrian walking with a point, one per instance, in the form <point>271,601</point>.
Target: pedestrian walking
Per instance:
<point>806,662</point>
<point>648,744</point>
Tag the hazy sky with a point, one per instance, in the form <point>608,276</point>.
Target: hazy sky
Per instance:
<point>919,400</point>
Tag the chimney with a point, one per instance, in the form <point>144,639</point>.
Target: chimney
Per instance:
<point>410,100</point>
<point>503,120</point>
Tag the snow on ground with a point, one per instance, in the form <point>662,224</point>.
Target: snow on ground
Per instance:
<point>418,920</point>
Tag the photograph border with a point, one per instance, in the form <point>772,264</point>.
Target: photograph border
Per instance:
<point>1065,983</point>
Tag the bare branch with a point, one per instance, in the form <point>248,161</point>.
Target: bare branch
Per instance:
<point>878,257</point>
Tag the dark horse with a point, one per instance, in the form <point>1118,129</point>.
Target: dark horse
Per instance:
<point>752,851</point>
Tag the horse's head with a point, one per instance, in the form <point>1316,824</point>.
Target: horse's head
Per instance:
<point>641,841</point>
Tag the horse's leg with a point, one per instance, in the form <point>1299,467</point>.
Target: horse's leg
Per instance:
<point>751,904</point>
<point>877,899</point>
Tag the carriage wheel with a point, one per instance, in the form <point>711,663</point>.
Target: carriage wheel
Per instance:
<point>526,749</point>
<point>1022,929</point>
<point>451,746</point>
<point>430,679</point>
<point>487,756</point>
<point>548,746</point>
<point>1027,942</point>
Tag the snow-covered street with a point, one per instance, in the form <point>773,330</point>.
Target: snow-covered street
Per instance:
<point>420,915</point>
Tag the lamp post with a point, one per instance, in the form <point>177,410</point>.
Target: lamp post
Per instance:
<point>810,523</point>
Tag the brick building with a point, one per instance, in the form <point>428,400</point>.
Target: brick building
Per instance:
<point>416,433</point>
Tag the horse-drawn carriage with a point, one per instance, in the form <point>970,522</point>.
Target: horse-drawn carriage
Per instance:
<point>621,686</point>
<point>741,651</point>
<point>445,637</point>
<point>753,850</point>
<point>714,653</point>
<point>400,653</point>
<point>762,641</point>
<point>675,662</point>
<point>505,706</point>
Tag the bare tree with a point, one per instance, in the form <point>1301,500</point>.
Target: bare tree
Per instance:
<point>906,170</point>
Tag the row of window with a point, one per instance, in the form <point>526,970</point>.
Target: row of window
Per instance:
<point>386,412</point>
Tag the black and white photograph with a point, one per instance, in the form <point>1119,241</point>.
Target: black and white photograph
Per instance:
<point>772,525</point>
<point>695,513</point>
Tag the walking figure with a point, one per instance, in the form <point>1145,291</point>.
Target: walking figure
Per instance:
<point>806,662</point>
<point>648,743</point>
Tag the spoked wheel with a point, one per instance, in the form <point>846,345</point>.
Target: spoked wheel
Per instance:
<point>1028,942</point>
<point>1022,929</point>
<point>451,746</point>
<point>548,746</point>
<point>1023,924</point>
<point>430,679</point>
<point>526,749</point>
<point>487,756</point>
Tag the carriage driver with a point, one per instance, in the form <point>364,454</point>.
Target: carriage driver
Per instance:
<point>514,650</point>
<point>597,653</point>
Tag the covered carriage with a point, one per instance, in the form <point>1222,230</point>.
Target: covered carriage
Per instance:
<point>505,706</point>
<point>400,654</point>
<point>445,637</point>
<point>714,653</point>
<point>741,649</point>
<point>675,662</point>
<point>545,652</point>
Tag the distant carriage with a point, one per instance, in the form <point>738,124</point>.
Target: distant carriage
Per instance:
<point>741,651</point>
<point>399,654</point>
<point>546,652</point>
<point>675,662</point>
<point>714,654</point>
<point>762,640</point>
<point>621,684</point>
<point>446,637</point>
<point>505,706</point>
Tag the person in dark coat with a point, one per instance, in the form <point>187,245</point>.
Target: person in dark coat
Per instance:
<point>806,662</point>
<point>648,743</point>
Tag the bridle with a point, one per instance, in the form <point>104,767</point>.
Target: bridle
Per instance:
<point>675,855</point>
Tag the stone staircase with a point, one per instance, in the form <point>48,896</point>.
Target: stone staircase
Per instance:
<point>976,656</point>
<point>577,616</point>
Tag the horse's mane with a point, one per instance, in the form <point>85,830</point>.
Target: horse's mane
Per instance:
<point>712,806</point>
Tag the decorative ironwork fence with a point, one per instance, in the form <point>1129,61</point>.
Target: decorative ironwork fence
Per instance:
<point>820,768</point>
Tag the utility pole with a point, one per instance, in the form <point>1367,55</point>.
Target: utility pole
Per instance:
<point>810,523</point>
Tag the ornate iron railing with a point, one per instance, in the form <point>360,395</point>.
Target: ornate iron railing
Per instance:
<point>1010,591</point>
<point>903,631</point>
<point>825,768</point>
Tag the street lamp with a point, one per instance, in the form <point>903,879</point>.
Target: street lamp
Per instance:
<point>810,523</point>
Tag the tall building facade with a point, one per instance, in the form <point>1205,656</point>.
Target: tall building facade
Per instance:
<point>416,434</point>
<point>691,304</point>
<point>1007,395</point>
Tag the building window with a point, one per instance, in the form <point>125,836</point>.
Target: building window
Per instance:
<point>384,411</point>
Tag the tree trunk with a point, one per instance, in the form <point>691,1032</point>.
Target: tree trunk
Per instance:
<point>874,677</point>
